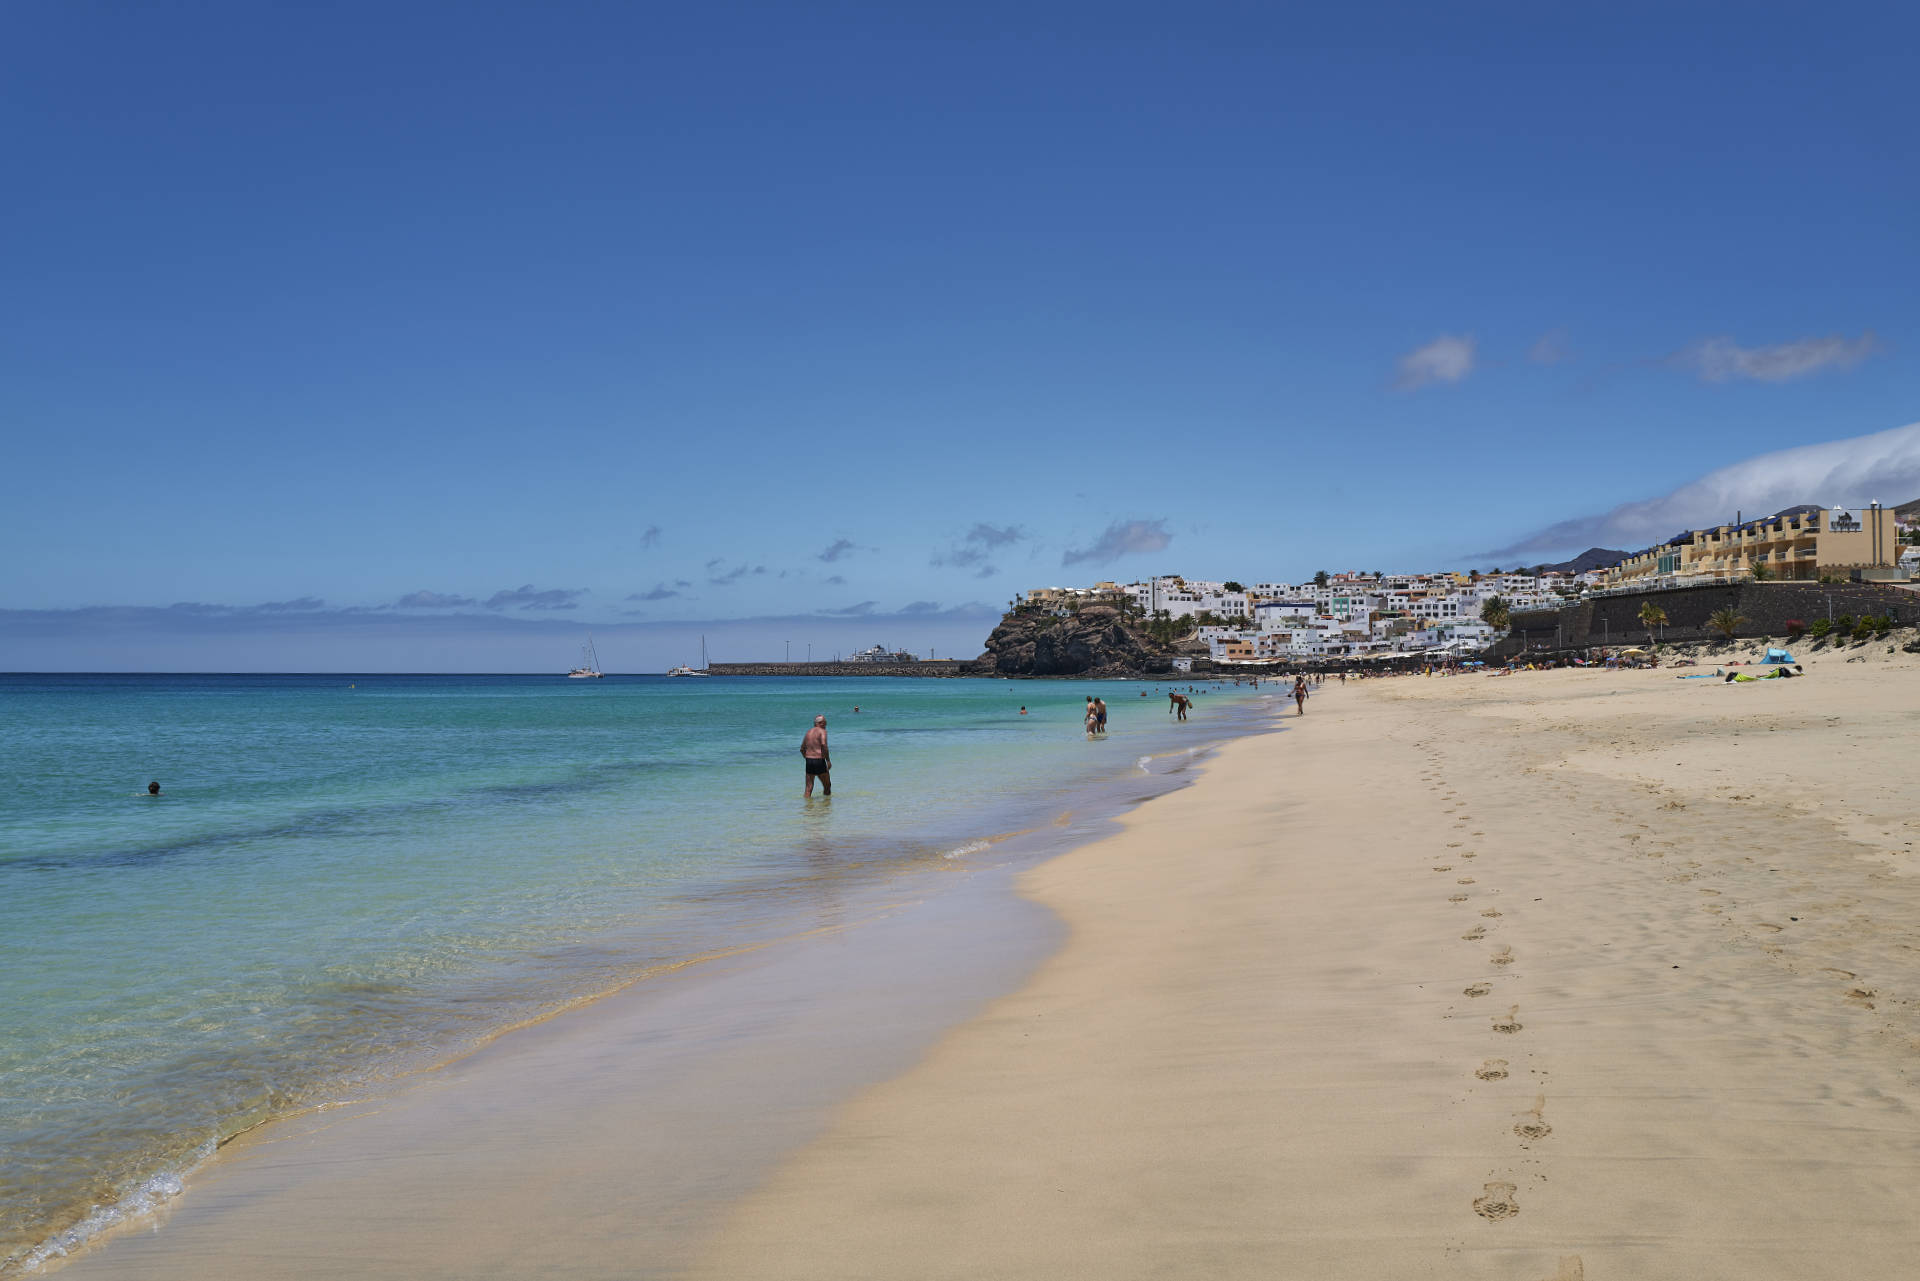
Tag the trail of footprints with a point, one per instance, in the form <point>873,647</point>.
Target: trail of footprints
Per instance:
<point>1498,1197</point>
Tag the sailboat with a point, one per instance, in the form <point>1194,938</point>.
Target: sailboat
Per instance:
<point>684,670</point>
<point>590,661</point>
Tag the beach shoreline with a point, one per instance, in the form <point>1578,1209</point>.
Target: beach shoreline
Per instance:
<point>1520,977</point>
<point>1511,977</point>
<point>873,932</point>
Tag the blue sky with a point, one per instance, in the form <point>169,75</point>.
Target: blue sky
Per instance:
<point>844,323</point>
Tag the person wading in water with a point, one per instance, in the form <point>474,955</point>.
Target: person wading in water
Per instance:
<point>813,748</point>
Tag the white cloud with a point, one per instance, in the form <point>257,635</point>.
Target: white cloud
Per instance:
<point>1883,467</point>
<point>1550,348</point>
<point>1123,538</point>
<point>1719,360</point>
<point>1447,359</point>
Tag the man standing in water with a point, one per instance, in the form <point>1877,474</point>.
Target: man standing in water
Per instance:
<point>1178,704</point>
<point>1100,713</point>
<point>813,748</point>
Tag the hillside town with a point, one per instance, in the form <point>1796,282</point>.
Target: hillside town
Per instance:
<point>1346,615</point>
<point>1366,614</point>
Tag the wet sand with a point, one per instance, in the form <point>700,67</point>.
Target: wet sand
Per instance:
<point>1555,975</point>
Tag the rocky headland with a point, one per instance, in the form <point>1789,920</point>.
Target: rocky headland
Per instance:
<point>1098,640</point>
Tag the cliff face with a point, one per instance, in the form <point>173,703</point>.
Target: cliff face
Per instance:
<point>1095,642</point>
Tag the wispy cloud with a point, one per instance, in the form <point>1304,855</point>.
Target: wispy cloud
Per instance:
<point>837,549</point>
<point>650,537</point>
<point>849,611</point>
<point>1550,348</point>
<point>1884,466</point>
<point>433,600</point>
<point>1720,360</point>
<point>528,596</point>
<point>976,546</point>
<point>660,592</point>
<point>1447,359</point>
<point>837,580</point>
<point>733,575</point>
<point>995,535</point>
<point>1122,538</point>
<point>921,607</point>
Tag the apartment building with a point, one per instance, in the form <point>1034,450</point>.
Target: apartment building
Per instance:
<point>1800,543</point>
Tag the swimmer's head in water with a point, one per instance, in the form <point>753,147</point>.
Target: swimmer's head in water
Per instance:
<point>153,789</point>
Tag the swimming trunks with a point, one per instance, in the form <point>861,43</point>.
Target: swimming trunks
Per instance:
<point>815,765</point>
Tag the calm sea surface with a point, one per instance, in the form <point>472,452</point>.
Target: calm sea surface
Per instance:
<point>347,877</point>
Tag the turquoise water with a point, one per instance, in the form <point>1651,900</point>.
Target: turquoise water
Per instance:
<point>349,877</point>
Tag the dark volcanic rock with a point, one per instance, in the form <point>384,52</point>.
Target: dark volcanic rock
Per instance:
<point>1095,642</point>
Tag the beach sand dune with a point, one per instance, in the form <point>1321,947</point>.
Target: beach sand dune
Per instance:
<point>1546,976</point>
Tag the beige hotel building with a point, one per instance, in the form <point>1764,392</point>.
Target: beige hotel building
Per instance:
<point>1803,544</point>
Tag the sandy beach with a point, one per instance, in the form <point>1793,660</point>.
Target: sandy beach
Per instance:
<point>1545,976</point>
<point>1554,975</point>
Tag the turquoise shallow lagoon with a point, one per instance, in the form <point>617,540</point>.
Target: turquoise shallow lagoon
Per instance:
<point>349,877</point>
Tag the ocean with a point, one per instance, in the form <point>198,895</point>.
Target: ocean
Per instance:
<point>349,878</point>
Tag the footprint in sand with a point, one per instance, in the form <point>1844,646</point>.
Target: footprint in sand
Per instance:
<point>1862,996</point>
<point>1465,880</point>
<point>1497,1203</point>
<point>1492,911</point>
<point>1447,868</point>
<point>1478,989</point>
<point>1469,854</point>
<point>1502,955</point>
<point>1845,974</point>
<point>1457,898</point>
<point>1492,1070</point>
<point>1538,1127</point>
<point>1571,1269</point>
<point>1475,934</point>
<point>1510,1024</point>
<point>1454,845</point>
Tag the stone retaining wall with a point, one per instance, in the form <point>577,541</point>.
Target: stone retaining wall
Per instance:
<point>1766,607</point>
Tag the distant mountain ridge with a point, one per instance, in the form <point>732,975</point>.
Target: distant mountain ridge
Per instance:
<point>1592,558</point>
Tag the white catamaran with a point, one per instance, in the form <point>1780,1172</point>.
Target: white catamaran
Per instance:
<point>684,670</point>
<point>591,661</point>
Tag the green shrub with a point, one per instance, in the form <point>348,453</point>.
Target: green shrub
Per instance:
<point>1821,627</point>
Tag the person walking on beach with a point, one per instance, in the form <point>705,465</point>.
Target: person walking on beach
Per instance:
<point>1300,695</point>
<point>1100,714</point>
<point>813,749</point>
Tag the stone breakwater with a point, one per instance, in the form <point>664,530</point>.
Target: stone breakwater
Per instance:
<point>930,667</point>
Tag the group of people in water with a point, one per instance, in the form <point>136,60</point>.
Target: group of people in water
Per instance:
<point>818,760</point>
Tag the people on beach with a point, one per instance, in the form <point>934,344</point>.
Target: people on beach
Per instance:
<point>1023,709</point>
<point>1178,704</point>
<point>153,789</point>
<point>813,749</point>
<point>1100,713</point>
<point>1300,695</point>
<point>1093,720</point>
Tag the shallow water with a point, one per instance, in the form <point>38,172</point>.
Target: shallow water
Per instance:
<point>348,877</point>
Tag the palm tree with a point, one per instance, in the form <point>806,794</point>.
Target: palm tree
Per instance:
<point>1726,621</point>
<point>1495,613</point>
<point>1651,616</point>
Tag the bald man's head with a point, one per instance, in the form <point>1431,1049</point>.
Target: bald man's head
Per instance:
<point>821,721</point>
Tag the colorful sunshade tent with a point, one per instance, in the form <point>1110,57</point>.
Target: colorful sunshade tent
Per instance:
<point>1777,656</point>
